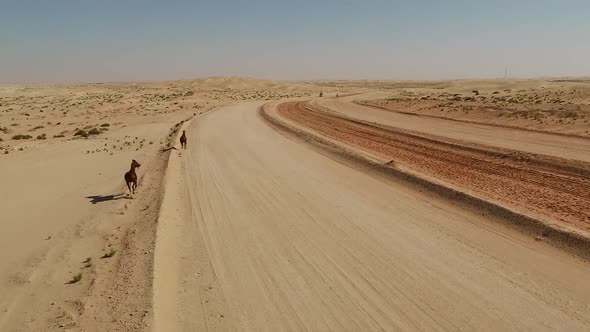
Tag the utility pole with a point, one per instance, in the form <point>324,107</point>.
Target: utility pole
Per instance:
<point>505,72</point>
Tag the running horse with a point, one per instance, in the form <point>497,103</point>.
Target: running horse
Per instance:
<point>183,140</point>
<point>131,176</point>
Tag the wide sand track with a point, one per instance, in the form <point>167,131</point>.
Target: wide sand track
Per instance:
<point>298,240</point>
<point>532,184</point>
<point>575,148</point>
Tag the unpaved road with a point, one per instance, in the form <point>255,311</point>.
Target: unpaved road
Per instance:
<point>528,183</point>
<point>527,141</point>
<point>299,240</point>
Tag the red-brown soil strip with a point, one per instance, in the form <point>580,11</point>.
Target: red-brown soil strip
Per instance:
<point>528,184</point>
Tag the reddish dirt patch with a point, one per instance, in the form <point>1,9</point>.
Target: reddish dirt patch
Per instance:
<point>528,183</point>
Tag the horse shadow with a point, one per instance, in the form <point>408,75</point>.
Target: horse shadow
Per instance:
<point>106,198</point>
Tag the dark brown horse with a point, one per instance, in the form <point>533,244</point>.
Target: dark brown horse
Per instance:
<point>183,139</point>
<point>131,177</point>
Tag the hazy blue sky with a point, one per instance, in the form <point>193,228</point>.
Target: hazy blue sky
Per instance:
<point>124,40</point>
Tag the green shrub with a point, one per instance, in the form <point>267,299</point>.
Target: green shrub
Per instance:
<point>82,133</point>
<point>76,278</point>
<point>21,136</point>
<point>110,254</point>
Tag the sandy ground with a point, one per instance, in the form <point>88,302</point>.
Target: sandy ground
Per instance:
<point>549,105</point>
<point>255,229</point>
<point>298,239</point>
<point>552,189</point>
<point>509,138</point>
<point>64,203</point>
<point>557,105</point>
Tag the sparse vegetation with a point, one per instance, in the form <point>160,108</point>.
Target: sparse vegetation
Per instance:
<point>82,133</point>
<point>76,278</point>
<point>21,136</point>
<point>110,254</point>
<point>42,136</point>
<point>94,131</point>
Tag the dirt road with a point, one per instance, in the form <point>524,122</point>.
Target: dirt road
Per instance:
<point>526,141</point>
<point>532,184</point>
<point>300,240</point>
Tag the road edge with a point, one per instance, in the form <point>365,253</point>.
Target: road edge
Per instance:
<point>171,276</point>
<point>554,234</point>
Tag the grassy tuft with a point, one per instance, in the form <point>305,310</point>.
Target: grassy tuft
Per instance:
<point>82,133</point>
<point>76,278</point>
<point>21,136</point>
<point>94,131</point>
<point>110,254</point>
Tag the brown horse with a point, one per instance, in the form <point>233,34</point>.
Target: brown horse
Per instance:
<point>131,177</point>
<point>183,139</point>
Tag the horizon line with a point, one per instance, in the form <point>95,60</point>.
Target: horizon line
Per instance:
<point>583,77</point>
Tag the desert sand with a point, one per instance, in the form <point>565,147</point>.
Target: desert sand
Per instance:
<point>64,202</point>
<point>374,207</point>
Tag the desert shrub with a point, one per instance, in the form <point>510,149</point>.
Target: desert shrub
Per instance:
<point>21,136</point>
<point>94,131</point>
<point>38,127</point>
<point>82,133</point>
<point>76,278</point>
<point>110,254</point>
<point>570,115</point>
<point>58,136</point>
<point>42,136</point>
<point>105,125</point>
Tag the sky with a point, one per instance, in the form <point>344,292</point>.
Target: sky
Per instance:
<point>143,40</point>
